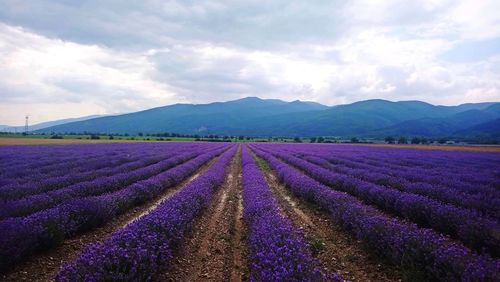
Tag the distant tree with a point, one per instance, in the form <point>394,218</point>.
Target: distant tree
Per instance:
<point>389,139</point>
<point>402,140</point>
<point>111,137</point>
<point>297,140</point>
<point>442,140</point>
<point>140,134</point>
<point>321,139</point>
<point>241,137</point>
<point>313,139</point>
<point>56,137</point>
<point>354,140</point>
<point>416,140</point>
<point>424,140</point>
<point>94,137</point>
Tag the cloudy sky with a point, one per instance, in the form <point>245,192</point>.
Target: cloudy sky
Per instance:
<point>67,58</point>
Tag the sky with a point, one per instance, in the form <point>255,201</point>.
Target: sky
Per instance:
<point>64,58</point>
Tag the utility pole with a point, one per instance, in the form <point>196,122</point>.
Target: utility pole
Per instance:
<point>26,128</point>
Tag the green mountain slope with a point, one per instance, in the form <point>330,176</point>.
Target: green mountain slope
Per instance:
<point>258,117</point>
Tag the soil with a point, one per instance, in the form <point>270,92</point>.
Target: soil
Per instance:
<point>216,248</point>
<point>44,266</point>
<point>336,251</point>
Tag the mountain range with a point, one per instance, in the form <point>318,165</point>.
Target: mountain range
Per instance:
<point>38,126</point>
<point>253,116</point>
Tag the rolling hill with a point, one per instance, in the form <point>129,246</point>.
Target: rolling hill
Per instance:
<point>42,125</point>
<point>253,116</point>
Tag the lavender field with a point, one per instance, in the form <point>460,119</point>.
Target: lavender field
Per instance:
<point>200,211</point>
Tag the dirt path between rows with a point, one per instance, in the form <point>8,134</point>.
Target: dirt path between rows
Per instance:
<point>216,249</point>
<point>44,266</point>
<point>333,247</point>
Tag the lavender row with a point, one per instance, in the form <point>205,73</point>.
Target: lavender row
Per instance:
<point>108,160</point>
<point>84,158</point>
<point>470,227</point>
<point>17,156</point>
<point>484,199</point>
<point>485,204</point>
<point>82,164</point>
<point>143,248</point>
<point>468,168</point>
<point>471,181</point>
<point>34,203</point>
<point>46,160</point>
<point>278,251</point>
<point>455,160</point>
<point>21,237</point>
<point>71,176</point>
<point>420,251</point>
<point>51,167</point>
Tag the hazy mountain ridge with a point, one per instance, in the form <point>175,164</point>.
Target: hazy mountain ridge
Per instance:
<point>253,116</point>
<point>42,125</point>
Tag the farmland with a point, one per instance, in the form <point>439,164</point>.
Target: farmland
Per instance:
<point>191,211</point>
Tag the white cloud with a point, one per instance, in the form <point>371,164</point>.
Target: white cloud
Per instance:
<point>77,79</point>
<point>121,56</point>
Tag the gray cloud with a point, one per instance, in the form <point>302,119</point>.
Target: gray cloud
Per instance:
<point>114,56</point>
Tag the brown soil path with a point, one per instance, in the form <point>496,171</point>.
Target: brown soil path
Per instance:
<point>216,249</point>
<point>44,266</point>
<point>333,247</point>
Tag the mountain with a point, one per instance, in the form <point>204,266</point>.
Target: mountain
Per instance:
<point>444,126</point>
<point>371,118</point>
<point>352,119</point>
<point>214,118</point>
<point>38,126</point>
<point>486,130</point>
<point>253,116</point>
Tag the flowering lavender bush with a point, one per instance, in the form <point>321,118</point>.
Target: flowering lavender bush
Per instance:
<point>22,236</point>
<point>21,164</point>
<point>475,230</point>
<point>34,203</point>
<point>138,251</point>
<point>86,172</point>
<point>468,172</point>
<point>416,249</point>
<point>486,204</point>
<point>279,251</point>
